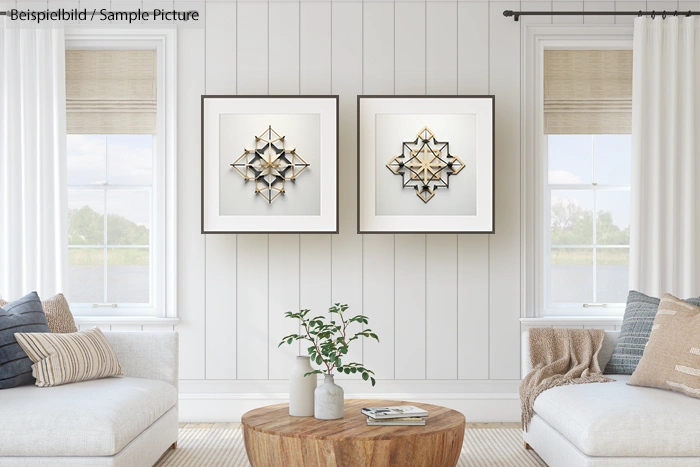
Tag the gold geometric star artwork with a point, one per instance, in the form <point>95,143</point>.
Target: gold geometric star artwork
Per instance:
<point>270,165</point>
<point>425,164</point>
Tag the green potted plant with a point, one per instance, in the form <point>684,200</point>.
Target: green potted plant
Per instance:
<point>330,341</point>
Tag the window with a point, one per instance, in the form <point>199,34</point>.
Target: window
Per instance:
<point>110,218</point>
<point>585,146</point>
<point>588,196</point>
<point>120,173</point>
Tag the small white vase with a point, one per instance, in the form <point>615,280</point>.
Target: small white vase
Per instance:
<point>329,401</point>
<point>301,389</point>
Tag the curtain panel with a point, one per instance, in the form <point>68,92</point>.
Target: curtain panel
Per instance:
<point>665,221</point>
<point>33,205</point>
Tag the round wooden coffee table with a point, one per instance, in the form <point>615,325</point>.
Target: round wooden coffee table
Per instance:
<point>273,438</point>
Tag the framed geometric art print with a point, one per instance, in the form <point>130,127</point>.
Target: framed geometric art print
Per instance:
<point>269,164</point>
<point>425,164</point>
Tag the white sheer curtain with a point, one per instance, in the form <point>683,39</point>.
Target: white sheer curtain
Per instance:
<point>665,223</point>
<point>33,206</point>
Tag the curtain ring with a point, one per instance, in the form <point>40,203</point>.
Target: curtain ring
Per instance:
<point>688,15</point>
<point>653,14</point>
<point>663,16</point>
<point>675,13</point>
<point>640,14</point>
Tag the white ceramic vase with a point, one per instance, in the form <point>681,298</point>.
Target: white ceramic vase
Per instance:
<point>301,389</point>
<point>329,401</point>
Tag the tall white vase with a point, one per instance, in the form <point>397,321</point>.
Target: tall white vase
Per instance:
<point>330,400</point>
<point>301,389</point>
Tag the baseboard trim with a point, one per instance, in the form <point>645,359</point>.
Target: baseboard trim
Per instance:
<point>230,407</point>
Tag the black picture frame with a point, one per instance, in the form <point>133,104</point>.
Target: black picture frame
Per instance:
<point>360,99</point>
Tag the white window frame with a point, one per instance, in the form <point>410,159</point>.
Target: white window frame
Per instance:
<point>534,176</point>
<point>164,213</point>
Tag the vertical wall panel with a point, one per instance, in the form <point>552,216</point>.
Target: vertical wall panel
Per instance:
<point>283,259</point>
<point>409,296</point>
<point>284,48</point>
<point>378,251</point>
<point>598,6</point>
<point>473,60</point>
<point>315,274</point>
<point>252,40</point>
<point>347,83</point>
<point>628,6</point>
<point>504,259</point>
<point>221,306</point>
<point>220,281</point>
<point>473,250</point>
<point>567,6</point>
<point>315,37</point>
<point>473,307</point>
<point>441,322</point>
<point>190,241</point>
<point>409,258</point>
<point>283,296</point>
<point>409,62</point>
<point>252,306</point>
<point>378,48</point>
<point>540,5</point>
<point>441,46</point>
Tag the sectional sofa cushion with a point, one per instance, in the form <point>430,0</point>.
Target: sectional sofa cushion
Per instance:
<point>91,418</point>
<point>23,315</point>
<point>57,312</point>
<point>68,358</point>
<point>634,335</point>
<point>618,420</point>
<point>672,357</point>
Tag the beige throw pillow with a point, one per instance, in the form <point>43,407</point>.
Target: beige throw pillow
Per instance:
<point>68,358</point>
<point>57,312</point>
<point>671,358</point>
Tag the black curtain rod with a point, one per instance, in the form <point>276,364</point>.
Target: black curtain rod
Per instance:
<point>517,14</point>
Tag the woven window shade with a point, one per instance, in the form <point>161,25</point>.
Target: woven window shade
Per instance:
<point>588,91</point>
<point>111,91</point>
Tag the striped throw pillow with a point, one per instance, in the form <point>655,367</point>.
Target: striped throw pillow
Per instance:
<point>69,358</point>
<point>672,357</point>
<point>58,314</point>
<point>23,315</point>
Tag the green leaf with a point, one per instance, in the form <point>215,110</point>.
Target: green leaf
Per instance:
<point>354,370</point>
<point>290,340</point>
<point>337,361</point>
<point>373,381</point>
<point>346,370</point>
<point>319,360</point>
<point>365,376</point>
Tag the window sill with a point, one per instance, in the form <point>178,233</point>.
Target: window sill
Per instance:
<point>572,321</point>
<point>139,320</point>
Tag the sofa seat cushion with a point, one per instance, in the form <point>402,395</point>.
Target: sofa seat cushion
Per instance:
<point>90,418</point>
<point>617,420</point>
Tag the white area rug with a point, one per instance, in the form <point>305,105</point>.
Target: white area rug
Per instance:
<point>219,447</point>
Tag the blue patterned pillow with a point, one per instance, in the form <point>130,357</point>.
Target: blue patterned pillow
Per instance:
<point>634,335</point>
<point>23,315</point>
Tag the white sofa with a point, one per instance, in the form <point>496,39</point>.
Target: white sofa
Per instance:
<point>127,421</point>
<point>613,424</point>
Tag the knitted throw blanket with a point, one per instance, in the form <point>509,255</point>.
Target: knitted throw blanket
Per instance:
<point>560,357</point>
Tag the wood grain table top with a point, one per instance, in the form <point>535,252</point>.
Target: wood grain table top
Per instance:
<point>275,419</point>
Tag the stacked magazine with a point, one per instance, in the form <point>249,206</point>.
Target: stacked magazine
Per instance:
<point>403,415</point>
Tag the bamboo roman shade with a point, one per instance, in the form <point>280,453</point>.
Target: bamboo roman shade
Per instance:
<point>587,91</point>
<point>111,91</point>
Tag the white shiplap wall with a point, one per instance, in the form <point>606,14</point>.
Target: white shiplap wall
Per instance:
<point>446,306</point>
